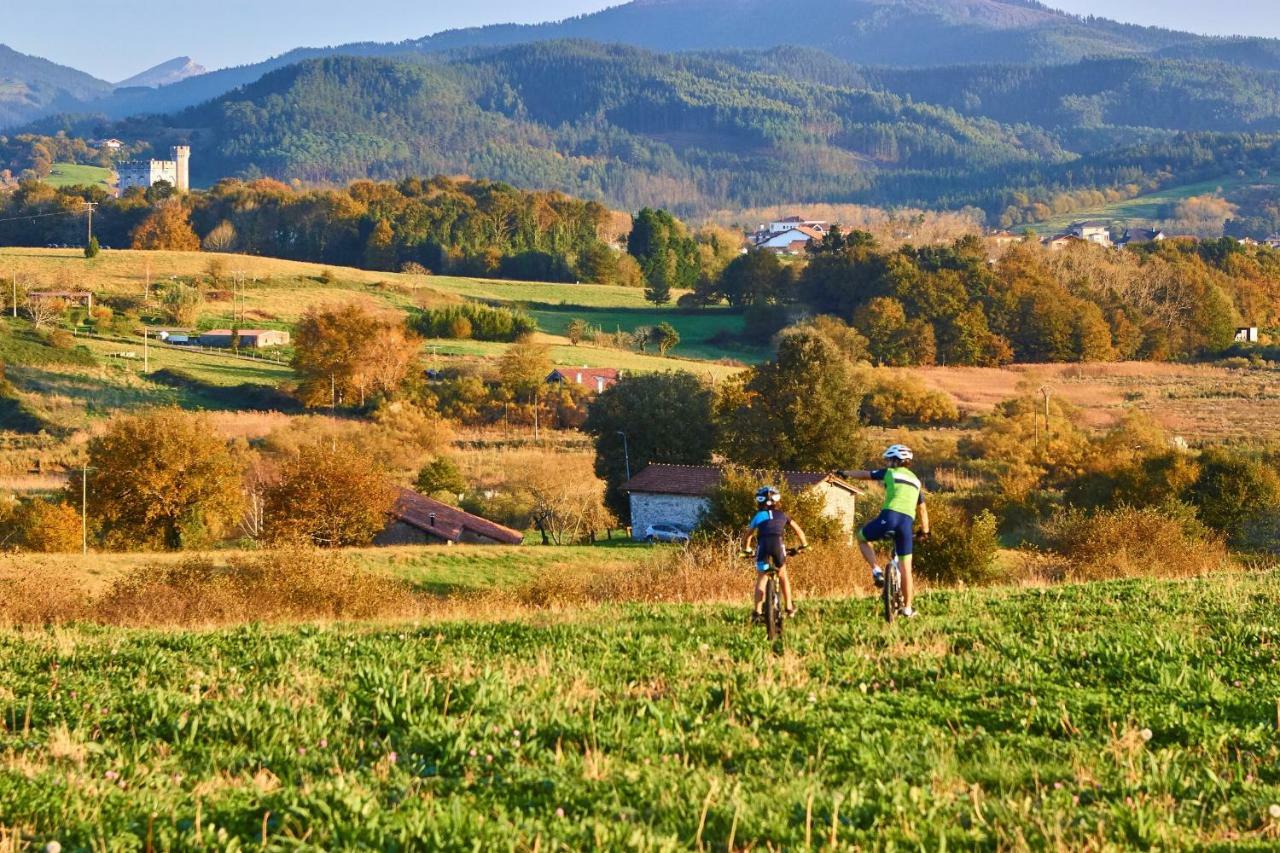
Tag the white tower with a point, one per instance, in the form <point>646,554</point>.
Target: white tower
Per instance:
<point>182,156</point>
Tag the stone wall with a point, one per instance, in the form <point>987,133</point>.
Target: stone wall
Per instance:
<point>680,510</point>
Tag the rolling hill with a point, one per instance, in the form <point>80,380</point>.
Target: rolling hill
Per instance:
<point>31,87</point>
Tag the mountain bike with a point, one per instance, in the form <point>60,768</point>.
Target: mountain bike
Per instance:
<point>891,592</point>
<point>773,606</point>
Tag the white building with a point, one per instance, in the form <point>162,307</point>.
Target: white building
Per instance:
<point>792,241</point>
<point>147,173</point>
<point>677,494</point>
<point>1093,232</point>
<point>791,222</point>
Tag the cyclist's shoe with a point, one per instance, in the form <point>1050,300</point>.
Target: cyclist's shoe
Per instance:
<point>908,613</point>
<point>757,618</point>
<point>790,613</point>
<point>877,577</point>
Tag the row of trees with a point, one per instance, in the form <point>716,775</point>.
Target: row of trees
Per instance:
<point>957,305</point>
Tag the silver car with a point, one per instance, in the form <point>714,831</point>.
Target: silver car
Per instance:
<point>665,533</point>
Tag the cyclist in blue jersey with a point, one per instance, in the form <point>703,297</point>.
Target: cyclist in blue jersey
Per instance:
<point>769,527</point>
<point>903,501</point>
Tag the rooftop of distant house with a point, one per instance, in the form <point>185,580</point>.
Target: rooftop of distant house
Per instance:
<point>699,480</point>
<point>448,522</point>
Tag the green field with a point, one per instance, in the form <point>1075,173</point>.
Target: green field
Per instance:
<point>1127,714</point>
<point>440,349</point>
<point>72,174</point>
<point>1147,208</point>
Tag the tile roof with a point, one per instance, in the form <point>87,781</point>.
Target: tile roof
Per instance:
<point>570,374</point>
<point>450,522</point>
<point>698,480</point>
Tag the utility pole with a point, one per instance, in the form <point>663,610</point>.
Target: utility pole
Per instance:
<point>1045,389</point>
<point>146,353</point>
<point>90,205</point>
<point>13,268</point>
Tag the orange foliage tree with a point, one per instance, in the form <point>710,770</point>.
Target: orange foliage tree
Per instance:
<point>168,227</point>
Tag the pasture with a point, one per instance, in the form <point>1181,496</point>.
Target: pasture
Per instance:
<point>74,174</point>
<point>1122,714</point>
<point>1146,209</point>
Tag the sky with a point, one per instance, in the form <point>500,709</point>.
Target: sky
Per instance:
<point>124,37</point>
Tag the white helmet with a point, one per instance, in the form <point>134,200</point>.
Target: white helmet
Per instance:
<point>900,452</point>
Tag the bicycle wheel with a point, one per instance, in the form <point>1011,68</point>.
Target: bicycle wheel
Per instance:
<point>772,608</point>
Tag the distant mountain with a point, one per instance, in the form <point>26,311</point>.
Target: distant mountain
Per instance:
<point>908,33</point>
<point>164,74</point>
<point>887,33</point>
<point>31,87</point>
<point>617,124</point>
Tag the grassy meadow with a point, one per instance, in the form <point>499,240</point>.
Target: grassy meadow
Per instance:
<point>1146,209</point>
<point>74,174</point>
<point>1115,715</point>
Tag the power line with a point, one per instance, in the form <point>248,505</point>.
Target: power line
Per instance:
<point>43,215</point>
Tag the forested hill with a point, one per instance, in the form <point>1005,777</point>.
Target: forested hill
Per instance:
<point>31,86</point>
<point>613,123</point>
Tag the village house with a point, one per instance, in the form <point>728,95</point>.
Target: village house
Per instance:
<point>171,336</point>
<point>1246,335</point>
<point>677,495</point>
<point>112,144</point>
<point>1140,237</point>
<point>419,520</point>
<point>1093,232</point>
<point>1060,241</point>
<point>595,378</point>
<point>249,338</point>
<point>1273,242</point>
<point>789,236</point>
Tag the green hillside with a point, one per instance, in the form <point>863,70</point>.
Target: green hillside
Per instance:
<point>73,174</point>
<point>1151,207</point>
<point>1132,714</point>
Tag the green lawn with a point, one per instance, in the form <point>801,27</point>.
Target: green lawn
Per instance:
<point>211,368</point>
<point>1146,208</point>
<point>1113,716</point>
<point>72,174</point>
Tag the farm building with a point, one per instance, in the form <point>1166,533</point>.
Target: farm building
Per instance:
<point>249,338</point>
<point>595,378</point>
<point>677,494</point>
<point>171,336</point>
<point>419,520</point>
<point>1247,335</point>
<point>82,298</point>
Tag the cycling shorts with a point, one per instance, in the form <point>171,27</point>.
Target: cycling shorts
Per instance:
<point>770,553</point>
<point>890,523</point>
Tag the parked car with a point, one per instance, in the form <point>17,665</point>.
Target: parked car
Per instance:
<point>665,533</point>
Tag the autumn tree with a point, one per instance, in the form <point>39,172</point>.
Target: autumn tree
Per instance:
<point>799,411</point>
<point>221,239</point>
<point>48,528</point>
<point>348,355</point>
<point>524,368</point>
<point>161,479</point>
<point>182,303</point>
<point>665,337</point>
<point>327,495</point>
<point>577,330</point>
<point>167,227</point>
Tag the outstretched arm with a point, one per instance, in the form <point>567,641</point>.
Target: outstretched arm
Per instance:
<point>804,540</point>
<point>856,475</point>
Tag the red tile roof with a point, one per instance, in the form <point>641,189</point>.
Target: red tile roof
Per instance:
<point>698,480</point>
<point>450,522</point>
<point>589,375</point>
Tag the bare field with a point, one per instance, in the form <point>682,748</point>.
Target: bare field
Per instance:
<point>1199,402</point>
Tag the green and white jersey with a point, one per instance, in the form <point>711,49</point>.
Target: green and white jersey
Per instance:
<point>903,491</point>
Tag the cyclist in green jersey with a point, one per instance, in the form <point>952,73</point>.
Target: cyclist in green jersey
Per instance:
<point>903,500</point>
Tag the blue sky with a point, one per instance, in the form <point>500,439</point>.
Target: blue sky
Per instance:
<point>232,32</point>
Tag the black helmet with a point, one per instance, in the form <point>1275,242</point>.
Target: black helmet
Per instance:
<point>768,496</point>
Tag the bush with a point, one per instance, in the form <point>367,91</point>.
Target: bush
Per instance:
<point>1232,490</point>
<point>961,549</point>
<point>732,503</point>
<point>61,339</point>
<point>1127,542</point>
<point>903,400</point>
<point>481,322</point>
<point>48,528</point>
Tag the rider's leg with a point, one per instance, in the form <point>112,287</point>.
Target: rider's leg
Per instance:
<point>785,580</point>
<point>868,553</point>
<point>908,587</point>
<point>761,579</point>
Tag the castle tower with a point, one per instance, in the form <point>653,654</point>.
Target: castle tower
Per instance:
<point>182,156</point>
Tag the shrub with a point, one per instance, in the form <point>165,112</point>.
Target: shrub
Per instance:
<point>1166,541</point>
<point>484,322</point>
<point>48,528</point>
<point>961,549</point>
<point>61,339</point>
<point>414,268</point>
<point>732,503</point>
<point>901,400</point>
<point>1233,489</point>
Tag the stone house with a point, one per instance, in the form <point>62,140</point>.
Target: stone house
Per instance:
<point>595,378</point>
<point>677,494</point>
<point>419,520</point>
<point>249,338</point>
